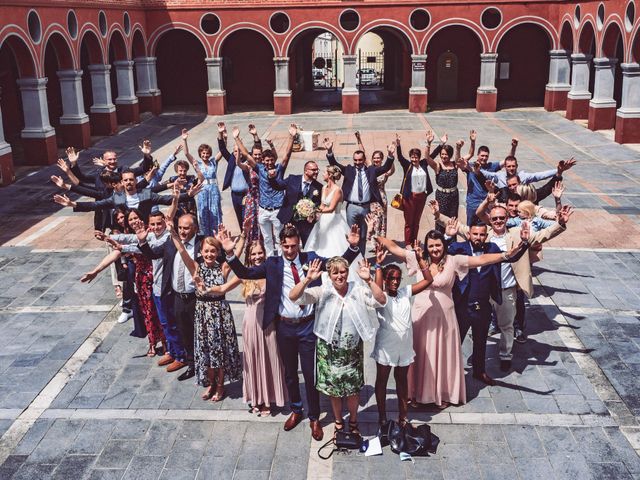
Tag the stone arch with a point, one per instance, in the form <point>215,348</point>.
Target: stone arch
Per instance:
<point>89,39</point>
<point>248,55</point>
<point>116,45</point>
<point>392,26</point>
<point>545,25</point>
<point>222,37</point>
<point>157,34</point>
<point>634,49</point>
<point>56,56</point>
<point>138,43</point>
<point>22,53</point>
<point>525,48</point>
<point>586,38</point>
<point>295,34</point>
<point>566,37</point>
<point>179,50</point>
<point>453,64</point>
<point>61,44</point>
<point>612,35</point>
<point>455,22</point>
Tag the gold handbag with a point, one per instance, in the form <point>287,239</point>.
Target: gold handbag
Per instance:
<point>397,201</point>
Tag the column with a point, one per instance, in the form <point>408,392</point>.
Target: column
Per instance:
<point>103,112</point>
<point>282,95</point>
<point>127,107</point>
<point>149,97</point>
<point>555,95</point>
<point>579,95</point>
<point>38,136</point>
<point>350,92</point>
<point>216,96</point>
<point>602,107</point>
<point>487,93</point>
<point>628,115</point>
<point>74,122</point>
<point>418,91</point>
<point>6,159</point>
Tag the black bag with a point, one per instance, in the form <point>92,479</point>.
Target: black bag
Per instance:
<point>416,441</point>
<point>342,441</point>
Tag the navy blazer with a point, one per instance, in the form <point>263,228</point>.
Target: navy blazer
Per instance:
<point>273,270</point>
<point>407,166</point>
<point>292,186</point>
<point>231,166</point>
<point>372,174</point>
<point>168,251</point>
<point>490,273</point>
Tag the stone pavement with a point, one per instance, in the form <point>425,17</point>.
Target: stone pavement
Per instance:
<point>79,398</point>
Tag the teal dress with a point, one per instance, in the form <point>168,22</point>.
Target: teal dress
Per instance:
<point>209,205</point>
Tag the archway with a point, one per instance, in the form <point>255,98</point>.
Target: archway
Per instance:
<point>90,54</point>
<point>117,51</point>
<point>587,46</point>
<point>523,65</point>
<point>453,66</point>
<point>566,37</point>
<point>316,73</point>
<point>15,62</point>
<point>613,47</point>
<point>384,68</point>
<point>57,57</point>
<point>248,70</point>
<point>181,69</point>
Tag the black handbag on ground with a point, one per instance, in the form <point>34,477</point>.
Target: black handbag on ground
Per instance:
<point>342,441</point>
<point>416,441</point>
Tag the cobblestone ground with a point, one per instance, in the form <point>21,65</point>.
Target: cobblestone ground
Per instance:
<point>80,399</point>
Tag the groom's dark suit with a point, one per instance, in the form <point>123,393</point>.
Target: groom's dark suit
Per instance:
<point>293,188</point>
<point>294,339</point>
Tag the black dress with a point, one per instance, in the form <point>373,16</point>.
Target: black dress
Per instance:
<point>447,200</point>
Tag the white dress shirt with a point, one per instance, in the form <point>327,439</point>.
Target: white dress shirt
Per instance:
<point>366,194</point>
<point>418,180</point>
<point>132,201</point>
<point>287,307</point>
<point>508,277</point>
<point>189,286</point>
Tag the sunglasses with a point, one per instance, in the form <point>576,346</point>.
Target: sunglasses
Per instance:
<point>493,219</point>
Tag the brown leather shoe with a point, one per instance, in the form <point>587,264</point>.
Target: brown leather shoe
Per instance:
<point>483,377</point>
<point>175,366</point>
<point>165,360</point>
<point>316,430</point>
<point>293,421</point>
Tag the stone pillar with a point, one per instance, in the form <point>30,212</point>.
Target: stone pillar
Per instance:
<point>149,96</point>
<point>127,107</point>
<point>38,136</point>
<point>103,112</point>
<point>216,95</point>
<point>350,92</point>
<point>74,122</point>
<point>602,107</point>
<point>487,93</point>
<point>555,95</point>
<point>579,95</point>
<point>6,159</point>
<point>282,95</point>
<point>628,115</point>
<point>418,91</point>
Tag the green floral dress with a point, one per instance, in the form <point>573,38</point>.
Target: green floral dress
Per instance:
<point>340,364</point>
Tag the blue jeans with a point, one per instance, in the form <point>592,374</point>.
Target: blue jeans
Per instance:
<point>171,334</point>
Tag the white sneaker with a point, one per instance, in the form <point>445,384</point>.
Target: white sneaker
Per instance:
<point>124,316</point>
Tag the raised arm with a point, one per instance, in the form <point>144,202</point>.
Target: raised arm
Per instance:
<point>313,274</point>
<point>189,262</point>
<point>249,273</point>
<point>104,263</point>
<point>331,158</point>
<point>423,284</point>
<point>392,247</point>
<point>242,149</point>
<point>386,166</point>
<point>364,272</point>
<point>404,163</point>
<point>429,155</point>
<point>222,141</point>
<point>361,147</point>
<point>293,131</point>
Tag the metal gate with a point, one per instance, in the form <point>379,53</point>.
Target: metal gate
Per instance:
<point>370,72</point>
<point>325,71</point>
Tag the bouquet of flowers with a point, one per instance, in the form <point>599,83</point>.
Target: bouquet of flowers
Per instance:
<point>305,209</point>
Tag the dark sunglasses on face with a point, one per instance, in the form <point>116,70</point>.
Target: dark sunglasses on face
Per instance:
<point>493,219</point>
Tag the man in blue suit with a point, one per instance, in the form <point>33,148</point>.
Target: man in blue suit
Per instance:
<point>360,186</point>
<point>294,325</point>
<point>297,187</point>
<point>471,295</point>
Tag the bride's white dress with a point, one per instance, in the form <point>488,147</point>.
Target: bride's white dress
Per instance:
<point>329,236</point>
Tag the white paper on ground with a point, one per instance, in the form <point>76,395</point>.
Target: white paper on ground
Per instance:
<point>374,447</point>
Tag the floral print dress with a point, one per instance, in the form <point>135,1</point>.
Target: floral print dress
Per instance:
<point>216,342</point>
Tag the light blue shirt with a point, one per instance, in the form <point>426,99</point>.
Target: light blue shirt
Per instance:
<point>525,178</point>
<point>269,196</point>
<point>238,182</point>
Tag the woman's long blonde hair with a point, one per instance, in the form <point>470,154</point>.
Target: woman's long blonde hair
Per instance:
<point>250,287</point>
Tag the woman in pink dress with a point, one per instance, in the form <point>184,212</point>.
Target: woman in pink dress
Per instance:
<point>437,374</point>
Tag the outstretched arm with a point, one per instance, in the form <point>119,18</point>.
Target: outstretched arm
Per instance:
<point>331,158</point>
<point>104,263</point>
<point>242,149</point>
<point>293,131</point>
<point>392,246</point>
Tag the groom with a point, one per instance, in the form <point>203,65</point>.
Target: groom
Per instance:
<point>297,187</point>
<point>294,327</point>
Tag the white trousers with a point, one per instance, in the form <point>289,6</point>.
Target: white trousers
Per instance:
<point>270,228</point>
<point>506,314</point>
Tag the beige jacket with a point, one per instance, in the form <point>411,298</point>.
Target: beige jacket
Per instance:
<point>521,268</point>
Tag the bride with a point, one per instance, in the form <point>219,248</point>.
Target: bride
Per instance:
<point>328,237</point>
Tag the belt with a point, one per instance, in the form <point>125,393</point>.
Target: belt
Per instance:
<point>297,321</point>
<point>269,209</point>
<point>448,190</point>
<point>185,296</point>
<point>210,181</point>
<point>360,204</point>
<point>476,306</point>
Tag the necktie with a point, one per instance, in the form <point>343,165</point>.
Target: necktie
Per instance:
<point>305,189</point>
<point>360,191</point>
<point>181,266</point>
<point>294,271</point>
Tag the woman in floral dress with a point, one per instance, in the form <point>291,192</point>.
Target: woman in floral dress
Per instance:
<point>377,209</point>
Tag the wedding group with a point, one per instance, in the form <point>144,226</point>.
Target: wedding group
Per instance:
<point>318,268</point>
